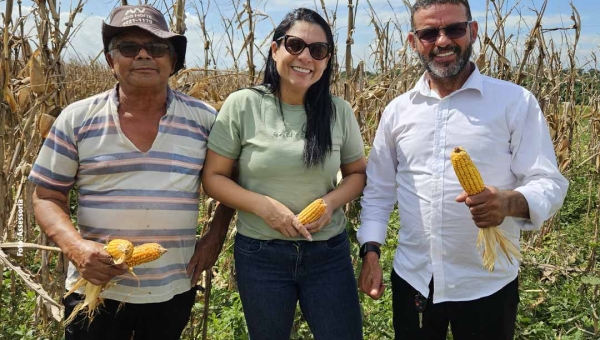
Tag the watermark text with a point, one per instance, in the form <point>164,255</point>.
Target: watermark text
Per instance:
<point>20,227</point>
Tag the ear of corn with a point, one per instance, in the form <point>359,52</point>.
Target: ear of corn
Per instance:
<point>468,175</point>
<point>488,239</point>
<point>145,253</point>
<point>313,211</point>
<point>120,250</point>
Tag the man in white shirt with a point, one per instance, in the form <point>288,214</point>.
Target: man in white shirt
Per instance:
<point>438,277</point>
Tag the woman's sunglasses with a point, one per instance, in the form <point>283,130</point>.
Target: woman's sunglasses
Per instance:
<point>454,31</point>
<point>295,46</point>
<point>130,49</point>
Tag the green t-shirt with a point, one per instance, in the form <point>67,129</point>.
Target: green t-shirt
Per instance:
<point>250,129</point>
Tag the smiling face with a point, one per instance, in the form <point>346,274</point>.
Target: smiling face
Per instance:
<point>142,71</point>
<point>445,58</point>
<point>298,72</point>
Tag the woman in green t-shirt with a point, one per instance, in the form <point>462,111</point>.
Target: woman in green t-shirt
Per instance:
<point>291,138</point>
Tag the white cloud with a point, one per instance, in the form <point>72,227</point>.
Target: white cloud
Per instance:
<point>87,40</point>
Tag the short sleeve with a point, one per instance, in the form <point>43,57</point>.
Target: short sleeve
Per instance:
<point>56,165</point>
<point>352,146</point>
<point>225,136</point>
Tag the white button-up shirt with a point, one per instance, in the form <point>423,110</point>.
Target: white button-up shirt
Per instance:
<point>503,129</point>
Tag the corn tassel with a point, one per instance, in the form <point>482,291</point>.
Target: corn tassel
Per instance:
<point>313,211</point>
<point>121,251</point>
<point>488,238</point>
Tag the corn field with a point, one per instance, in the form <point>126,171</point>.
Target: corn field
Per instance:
<point>37,82</point>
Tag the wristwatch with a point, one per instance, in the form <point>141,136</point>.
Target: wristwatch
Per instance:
<point>367,247</point>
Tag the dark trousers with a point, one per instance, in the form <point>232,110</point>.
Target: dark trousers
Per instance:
<point>489,318</point>
<point>164,321</point>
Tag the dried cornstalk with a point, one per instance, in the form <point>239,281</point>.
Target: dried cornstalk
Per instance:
<point>32,86</point>
<point>250,39</point>
<point>534,36</point>
<point>349,43</point>
<point>4,76</point>
<point>179,17</point>
<point>205,36</point>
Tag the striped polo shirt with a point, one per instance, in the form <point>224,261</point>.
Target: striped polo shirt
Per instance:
<point>125,193</point>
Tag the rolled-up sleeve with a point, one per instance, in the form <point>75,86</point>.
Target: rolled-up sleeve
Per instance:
<point>534,164</point>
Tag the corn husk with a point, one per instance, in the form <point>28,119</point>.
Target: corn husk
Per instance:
<point>36,73</point>
<point>2,74</point>
<point>24,98</point>
<point>90,303</point>
<point>9,97</point>
<point>198,90</point>
<point>45,124</point>
<point>488,240</point>
<point>54,111</point>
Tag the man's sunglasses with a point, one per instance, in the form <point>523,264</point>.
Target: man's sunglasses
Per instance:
<point>295,46</point>
<point>131,49</point>
<point>453,31</point>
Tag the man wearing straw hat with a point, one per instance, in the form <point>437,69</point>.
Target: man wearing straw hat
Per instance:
<point>438,278</point>
<point>134,154</point>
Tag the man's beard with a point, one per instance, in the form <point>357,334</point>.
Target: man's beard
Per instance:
<point>441,71</point>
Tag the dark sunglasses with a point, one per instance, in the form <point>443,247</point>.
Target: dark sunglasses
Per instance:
<point>295,46</point>
<point>131,49</point>
<point>453,31</point>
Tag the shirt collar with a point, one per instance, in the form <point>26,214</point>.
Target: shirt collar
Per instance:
<point>114,96</point>
<point>474,82</point>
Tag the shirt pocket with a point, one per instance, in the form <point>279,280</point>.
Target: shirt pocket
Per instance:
<point>186,164</point>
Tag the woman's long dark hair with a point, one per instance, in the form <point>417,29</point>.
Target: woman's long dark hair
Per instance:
<point>319,107</point>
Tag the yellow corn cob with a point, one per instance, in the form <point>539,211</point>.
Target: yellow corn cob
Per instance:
<point>120,250</point>
<point>145,253</point>
<point>312,212</point>
<point>467,173</point>
<point>488,238</point>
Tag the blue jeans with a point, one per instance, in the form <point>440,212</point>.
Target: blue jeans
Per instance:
<point>273,275</point>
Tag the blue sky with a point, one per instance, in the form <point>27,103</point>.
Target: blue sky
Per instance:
<point>86,42</point>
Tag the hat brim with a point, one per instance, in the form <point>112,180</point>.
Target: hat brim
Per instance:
<point>179,41</point>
